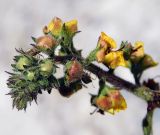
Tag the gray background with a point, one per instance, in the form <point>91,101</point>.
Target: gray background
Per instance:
<point>122,19</point>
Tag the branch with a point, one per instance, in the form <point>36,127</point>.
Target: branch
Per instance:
<point>141,91</point>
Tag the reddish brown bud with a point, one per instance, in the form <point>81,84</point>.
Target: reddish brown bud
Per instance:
<point>46,42</point>
<point>75,71</point>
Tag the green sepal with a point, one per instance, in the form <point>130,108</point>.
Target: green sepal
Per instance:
<point>127,49</point>
<point>66,39</point>
<point>143,64</point>
<point>30,75</point>
<point>104,89</point>
<point>68,65</point>
<point>16,58</point>
<point>34,39</point>
<point>23,62</point>
<point>147,62</point>
<point>92,56</point>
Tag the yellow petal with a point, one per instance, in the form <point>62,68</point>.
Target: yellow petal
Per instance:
<point>71,26</point>
<point>55,26</point>
<point>111,111</point>
<point>106,42</point>
<point>118,101</point>
<point>110,57</point>
<point>115,59</point>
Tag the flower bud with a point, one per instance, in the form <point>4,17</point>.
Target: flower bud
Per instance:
<point>71,27</point>
<point>30,75</point>
<point>74,71</point>
<point>148,62</point>
<point>46,68</point>
<point>46,42</point>
<point>22,62</point>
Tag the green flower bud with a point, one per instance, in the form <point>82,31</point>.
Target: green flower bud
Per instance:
<point>46,68</point>
<point>23,61</point>
<point>30,75</point>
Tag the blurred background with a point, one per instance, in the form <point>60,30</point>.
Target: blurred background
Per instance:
<point>130,20</point>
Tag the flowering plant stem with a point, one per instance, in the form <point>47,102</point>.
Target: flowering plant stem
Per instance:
<point>33,73</point>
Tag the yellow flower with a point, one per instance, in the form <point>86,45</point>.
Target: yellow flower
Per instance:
<point>138,51</point>
<point>106,42</point>
<point>71,27</point>
<point>112,102</point>
<point>55,27</point>
<point>115,59</point>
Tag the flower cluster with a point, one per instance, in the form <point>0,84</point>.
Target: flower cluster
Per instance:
<point>30,76</point>
<point>57,33</point>
<point>127,56</point>
<point>107,55</point>
<point>137,58</point>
